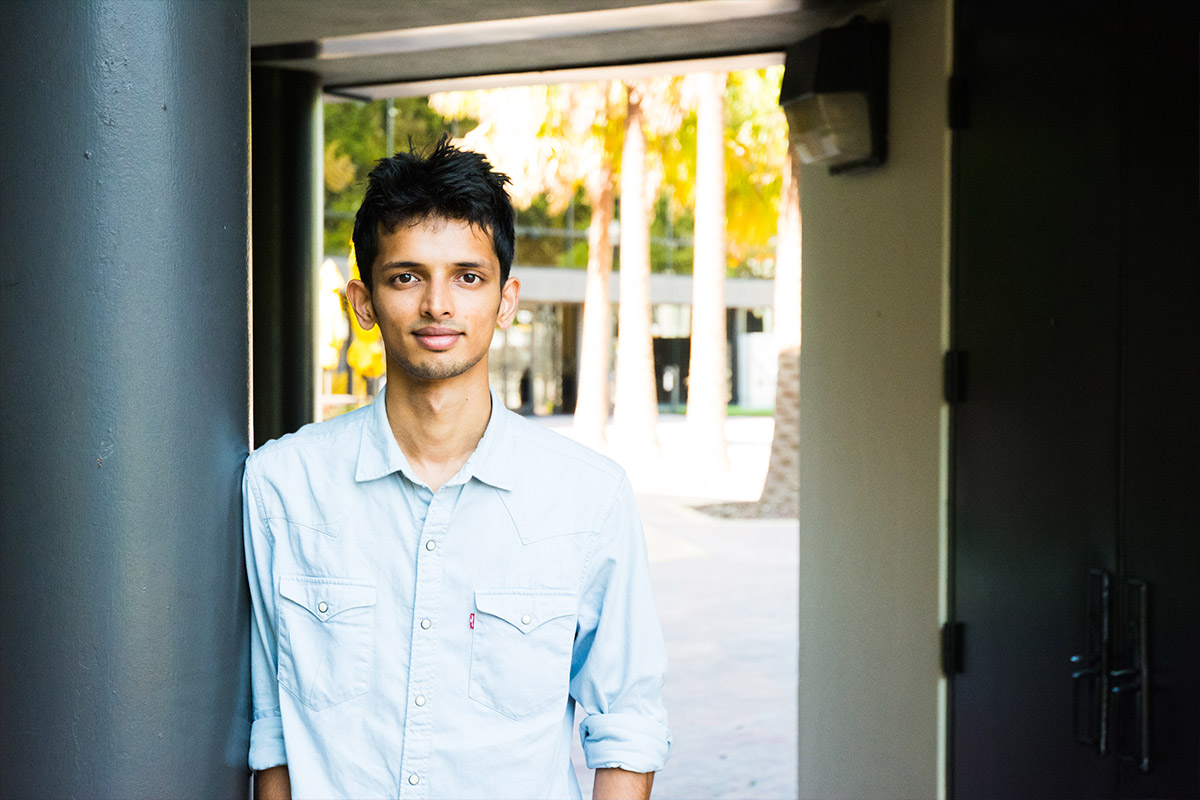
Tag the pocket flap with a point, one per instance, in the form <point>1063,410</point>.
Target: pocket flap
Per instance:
<point>525,610</point>
<point>326,597</point>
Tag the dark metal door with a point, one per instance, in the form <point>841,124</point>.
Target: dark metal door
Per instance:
<point>1157,727</point>
<point>1075,534</point>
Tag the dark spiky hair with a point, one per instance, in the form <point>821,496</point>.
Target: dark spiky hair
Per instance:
<point>448,183</point>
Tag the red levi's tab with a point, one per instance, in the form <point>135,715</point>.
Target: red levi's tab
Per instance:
<point>472,622</point>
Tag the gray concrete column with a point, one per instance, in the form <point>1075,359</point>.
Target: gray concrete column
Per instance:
<point>288,231</point>
<point>123,398</point>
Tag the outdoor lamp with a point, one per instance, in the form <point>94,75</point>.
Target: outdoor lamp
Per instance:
<point>835,94</point>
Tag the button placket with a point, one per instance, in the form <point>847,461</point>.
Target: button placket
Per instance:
<point>418,725</point>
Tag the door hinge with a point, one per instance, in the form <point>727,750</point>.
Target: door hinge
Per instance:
<point>956,103</point>
<point>952,657</point>
<point>954,376</point>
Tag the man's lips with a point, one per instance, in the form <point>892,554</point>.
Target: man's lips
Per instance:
<point>433,337</point>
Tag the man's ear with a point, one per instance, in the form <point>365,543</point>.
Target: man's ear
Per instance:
<point>360,300</point>
<point>508,303</point>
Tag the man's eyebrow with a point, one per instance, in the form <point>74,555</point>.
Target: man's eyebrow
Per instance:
<point>401,265</point>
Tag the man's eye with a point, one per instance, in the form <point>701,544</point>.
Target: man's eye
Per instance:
<point>471,278</point>
<point>404,277</point>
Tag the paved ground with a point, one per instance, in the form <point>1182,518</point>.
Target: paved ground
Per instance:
<point>727,596</point>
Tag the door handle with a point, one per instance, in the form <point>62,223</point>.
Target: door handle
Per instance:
<point>1090,673</point>
<point>1083,673</point>
<point>1127,685</point>
<point>1131,684</point>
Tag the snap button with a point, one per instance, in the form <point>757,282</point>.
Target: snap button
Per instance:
<point>413,779</point>
<point>526,619</point>
<point>430,544</point>
<point>420,700</point>
<point>425,623</point>
<point>322,606</point>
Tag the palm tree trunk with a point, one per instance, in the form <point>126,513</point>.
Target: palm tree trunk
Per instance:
<point>708,371</point>
<point>635,410</point>
<point>592,405</point>
<point>781,489</point>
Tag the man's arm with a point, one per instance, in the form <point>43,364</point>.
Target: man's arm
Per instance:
<point>618,784</point>
<point>274,784</point>
<point>619,662</point>
<point>266,731</point>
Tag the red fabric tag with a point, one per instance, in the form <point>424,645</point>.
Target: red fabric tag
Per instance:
<point>472,622</point>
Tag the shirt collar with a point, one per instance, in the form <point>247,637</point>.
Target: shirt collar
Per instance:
<point>492,462</point>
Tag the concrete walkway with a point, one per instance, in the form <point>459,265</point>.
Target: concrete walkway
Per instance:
<point>727,595</point>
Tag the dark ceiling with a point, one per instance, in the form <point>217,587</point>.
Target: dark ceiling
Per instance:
<point>429,40</point>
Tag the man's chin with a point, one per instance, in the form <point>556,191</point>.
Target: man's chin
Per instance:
<point>435,371</point>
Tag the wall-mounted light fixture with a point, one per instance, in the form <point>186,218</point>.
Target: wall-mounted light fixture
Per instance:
<point>835,96</point>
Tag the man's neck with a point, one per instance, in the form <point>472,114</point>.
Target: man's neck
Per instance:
<point>437,424</point>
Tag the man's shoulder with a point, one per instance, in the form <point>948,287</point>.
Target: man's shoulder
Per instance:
<point>556,477</point>
<point>316,440</point>
<point>560,484</point>
<point>544,450</point>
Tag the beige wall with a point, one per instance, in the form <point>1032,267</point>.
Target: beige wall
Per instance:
<point>872,443</point>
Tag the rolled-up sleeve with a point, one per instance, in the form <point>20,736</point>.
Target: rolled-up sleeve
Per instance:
<point>620,661</point>
<point>266,731</point>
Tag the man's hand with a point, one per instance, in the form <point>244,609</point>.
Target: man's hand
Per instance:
<point>273,784</point>
<point>617,784</point>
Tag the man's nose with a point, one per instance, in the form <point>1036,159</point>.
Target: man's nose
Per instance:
<point>438,300</point>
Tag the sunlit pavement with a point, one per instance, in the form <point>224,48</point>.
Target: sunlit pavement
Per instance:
<point>727,595</point>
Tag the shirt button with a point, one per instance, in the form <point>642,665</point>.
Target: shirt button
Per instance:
<point>430,544</point>
<point>420,700</point>
<point>525,620</point>
<point>322,607</point>
<point>425,623</point>
<point>413,779</point>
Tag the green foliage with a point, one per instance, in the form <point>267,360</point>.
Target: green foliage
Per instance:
<point>674,150</point>
<point>756,143</point>
<point>536,248</point>
<point>670,236</point>
<point>755,147</point>
<point>550,245</point>
<point>576,256</point>
<point>742,411</point>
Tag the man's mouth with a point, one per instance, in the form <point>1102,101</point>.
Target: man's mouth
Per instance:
<point>433,337</point>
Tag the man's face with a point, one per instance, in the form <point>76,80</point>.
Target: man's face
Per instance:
<point>437,298</point>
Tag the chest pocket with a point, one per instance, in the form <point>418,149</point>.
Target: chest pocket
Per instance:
<point>521,650</point>
<point>325,630</point>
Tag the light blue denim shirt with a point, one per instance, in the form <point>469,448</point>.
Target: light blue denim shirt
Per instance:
<point>409,643</point>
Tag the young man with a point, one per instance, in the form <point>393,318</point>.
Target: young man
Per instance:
<point>436,582</point>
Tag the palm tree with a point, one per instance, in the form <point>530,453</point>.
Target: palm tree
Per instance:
<point>635,407</point>
<point>598,111</point>
<point>781,489</point>
<point>708,382</point>
<point>595,349</point>
<point>764,173</point>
